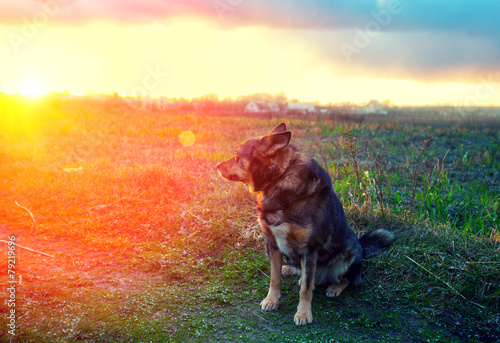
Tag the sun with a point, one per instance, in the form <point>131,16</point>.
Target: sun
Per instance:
<point>33,87</point>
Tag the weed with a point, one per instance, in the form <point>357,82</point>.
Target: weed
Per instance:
<point>380,179</point>
<point>416,173</point>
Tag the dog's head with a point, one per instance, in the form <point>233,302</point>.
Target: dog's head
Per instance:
<point>256,161</point>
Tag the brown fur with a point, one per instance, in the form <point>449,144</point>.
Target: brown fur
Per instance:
<point>301,218</point>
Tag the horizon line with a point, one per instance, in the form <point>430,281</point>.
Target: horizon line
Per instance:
<point>386,102</point>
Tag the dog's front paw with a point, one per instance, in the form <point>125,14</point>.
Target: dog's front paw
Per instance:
<point>269,304</point>
<point>303,318</point>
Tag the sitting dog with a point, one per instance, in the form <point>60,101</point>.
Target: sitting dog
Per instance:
<point>301,218</point>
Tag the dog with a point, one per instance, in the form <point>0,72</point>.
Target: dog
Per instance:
<point>301,218</point>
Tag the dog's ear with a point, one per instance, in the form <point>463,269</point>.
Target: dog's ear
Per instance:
<point>280,128</point>
<point>270,144</point>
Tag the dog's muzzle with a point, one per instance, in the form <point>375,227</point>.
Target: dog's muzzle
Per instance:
<point>225,176</point>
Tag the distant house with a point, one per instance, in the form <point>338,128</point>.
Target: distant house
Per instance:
<point>261,107</point>
<point>301,108</point>
<point>373,107</point>
<point>324,110</point>
<point>146,103</point>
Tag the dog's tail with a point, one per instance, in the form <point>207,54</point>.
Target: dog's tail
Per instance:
<point>374,241</point>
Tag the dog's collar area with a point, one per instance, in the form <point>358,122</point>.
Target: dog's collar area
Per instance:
<point>267,185</point>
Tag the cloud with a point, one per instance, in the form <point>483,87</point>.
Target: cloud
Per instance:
<point>77,11</point>
<point>423,39</point>
<point>464,16</point>
<point>338,14</point>
<point>424,55</point>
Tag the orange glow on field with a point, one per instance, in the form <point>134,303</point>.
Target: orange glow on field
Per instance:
<point>19,114</point>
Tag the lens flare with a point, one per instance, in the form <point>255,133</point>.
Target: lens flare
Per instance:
<point>187,138</point>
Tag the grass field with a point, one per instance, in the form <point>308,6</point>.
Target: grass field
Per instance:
<point>149,244</point>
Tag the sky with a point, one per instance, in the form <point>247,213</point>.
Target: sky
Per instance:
<point>411,52</point>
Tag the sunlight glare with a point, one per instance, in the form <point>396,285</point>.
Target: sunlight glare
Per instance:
<point>32,87</point>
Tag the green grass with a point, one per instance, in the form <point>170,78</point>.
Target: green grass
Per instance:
<point>450,184</point>
<point>151,245</point>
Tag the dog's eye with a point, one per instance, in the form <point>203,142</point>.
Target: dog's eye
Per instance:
<point>238,156</point>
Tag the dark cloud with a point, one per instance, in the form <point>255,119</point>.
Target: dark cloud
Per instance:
<point>425,39</point>
<point>425,55</point>
<point>472,17</point>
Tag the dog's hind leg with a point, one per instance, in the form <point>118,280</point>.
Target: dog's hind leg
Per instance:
<point>290,270</point>
<point>351,277</point>
<point>335,289</point>
<point>308,268</point>
<point>272,301</point>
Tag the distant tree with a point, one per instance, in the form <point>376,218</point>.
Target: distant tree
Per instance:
<point>206,102</point>
<point>210,97</point>
<point>386,103</point>
<point>280,99</point>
